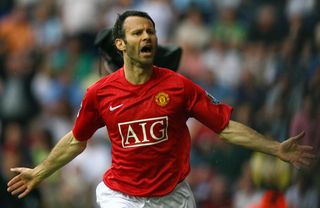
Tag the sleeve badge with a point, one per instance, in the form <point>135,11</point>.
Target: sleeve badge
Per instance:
<point>212,99</point>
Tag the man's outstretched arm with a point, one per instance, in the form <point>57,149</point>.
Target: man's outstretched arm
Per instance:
<point>63,152</point>
<point>289,150</point>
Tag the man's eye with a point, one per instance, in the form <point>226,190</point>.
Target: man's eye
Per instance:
<point>136,33</point>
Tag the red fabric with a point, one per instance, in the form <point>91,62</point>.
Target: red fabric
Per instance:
<point>272,199</point>
<point>147,127</point>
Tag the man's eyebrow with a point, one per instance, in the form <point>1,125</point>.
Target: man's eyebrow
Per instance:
<point>136,29</point>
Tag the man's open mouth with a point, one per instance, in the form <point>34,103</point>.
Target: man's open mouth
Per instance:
<point>146,49</point>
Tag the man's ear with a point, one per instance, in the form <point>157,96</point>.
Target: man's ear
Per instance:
<point>120,44</point>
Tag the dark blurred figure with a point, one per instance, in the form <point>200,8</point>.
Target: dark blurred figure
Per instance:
<point>13,153</point>
<point>17,101</point>
<point>265,28</point>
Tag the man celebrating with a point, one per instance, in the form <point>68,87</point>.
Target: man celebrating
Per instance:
<point>145,109</point>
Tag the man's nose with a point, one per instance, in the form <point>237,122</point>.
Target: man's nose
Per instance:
<point>146,35</point>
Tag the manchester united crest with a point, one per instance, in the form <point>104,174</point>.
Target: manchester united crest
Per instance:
<point>162,99</point>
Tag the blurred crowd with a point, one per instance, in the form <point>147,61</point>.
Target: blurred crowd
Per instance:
<point>260,56</point>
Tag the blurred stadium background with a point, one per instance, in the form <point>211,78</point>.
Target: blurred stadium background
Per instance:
<point>260,56</point>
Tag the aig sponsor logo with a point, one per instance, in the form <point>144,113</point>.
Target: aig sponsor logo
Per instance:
<point>144,132</point>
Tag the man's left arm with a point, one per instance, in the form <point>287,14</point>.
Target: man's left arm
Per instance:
<point>289,150</point>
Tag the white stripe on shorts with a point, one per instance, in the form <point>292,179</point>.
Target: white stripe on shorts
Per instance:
<point>180,197</point>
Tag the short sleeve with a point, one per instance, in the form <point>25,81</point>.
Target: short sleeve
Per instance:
<point>205,108</point>
<point>88,119</point>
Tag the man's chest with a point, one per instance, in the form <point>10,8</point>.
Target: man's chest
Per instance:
<point>123,105</point>
<point>143,116</point>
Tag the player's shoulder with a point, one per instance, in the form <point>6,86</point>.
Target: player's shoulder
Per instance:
<point>174,77</point>
<point>106,80</point>
<point>168,73</point>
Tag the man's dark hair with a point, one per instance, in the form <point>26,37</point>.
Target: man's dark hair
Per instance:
<point>166,56</point>
<point>117,31</point>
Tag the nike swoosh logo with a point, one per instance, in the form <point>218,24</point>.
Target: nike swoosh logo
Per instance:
<point>115,107</point>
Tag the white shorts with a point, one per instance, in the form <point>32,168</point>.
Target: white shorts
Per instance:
<point>180,197</point>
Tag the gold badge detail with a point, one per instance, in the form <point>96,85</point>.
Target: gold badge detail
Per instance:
<point>162,99</point>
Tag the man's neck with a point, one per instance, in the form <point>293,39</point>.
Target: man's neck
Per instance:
<point>137,75</point>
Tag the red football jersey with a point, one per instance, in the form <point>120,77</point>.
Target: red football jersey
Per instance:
<point>147,128</point>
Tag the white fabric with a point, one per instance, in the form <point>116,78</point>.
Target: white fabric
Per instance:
<point>180,197</point>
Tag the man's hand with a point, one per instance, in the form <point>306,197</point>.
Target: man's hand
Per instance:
<point>289,150</point>
<point>63,152</point>
<point>296,154</point>
<point>23,182</point>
